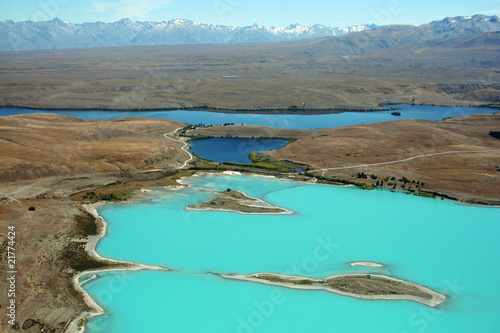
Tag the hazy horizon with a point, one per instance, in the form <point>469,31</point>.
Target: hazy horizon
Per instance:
<point>244,13</point>
<point>282,26</point>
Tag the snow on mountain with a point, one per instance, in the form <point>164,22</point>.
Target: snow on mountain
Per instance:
<point>56,34</point>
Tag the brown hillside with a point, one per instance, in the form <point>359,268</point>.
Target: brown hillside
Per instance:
<point>468,175</point>
<point>43,145</point>
<point>473,177</point>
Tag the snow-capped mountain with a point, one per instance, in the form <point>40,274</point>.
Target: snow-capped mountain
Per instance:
<point>56,34</point>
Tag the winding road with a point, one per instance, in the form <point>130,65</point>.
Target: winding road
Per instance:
<point>408,159</point>
<point>183,148</point>
<point>167,136</point>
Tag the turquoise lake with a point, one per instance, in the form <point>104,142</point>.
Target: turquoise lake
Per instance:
<point>450,248</point>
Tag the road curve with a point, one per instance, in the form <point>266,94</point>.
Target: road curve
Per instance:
<point>407,159</point>
<point>184,147</point>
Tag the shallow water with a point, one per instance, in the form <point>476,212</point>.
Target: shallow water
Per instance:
<point>447,247</point>
<point>274,120</point>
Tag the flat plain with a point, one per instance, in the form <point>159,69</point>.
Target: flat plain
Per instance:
<point>351,72</point>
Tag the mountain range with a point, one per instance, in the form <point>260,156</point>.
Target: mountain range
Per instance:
<point>56,34</point>
<point>392,36</point>
<point>454,61</point>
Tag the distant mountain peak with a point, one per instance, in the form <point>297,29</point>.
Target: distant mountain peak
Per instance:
<point>476,17</point>
<point>53,34</point>
<point>181,21</point>
<point>57,22</point>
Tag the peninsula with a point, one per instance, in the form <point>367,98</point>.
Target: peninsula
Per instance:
<point>364,286</point>
<point>236,201</point>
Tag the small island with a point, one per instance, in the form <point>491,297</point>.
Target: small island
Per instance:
<point>366,264</point>
<point>239,202</point>
<point>364,286</point>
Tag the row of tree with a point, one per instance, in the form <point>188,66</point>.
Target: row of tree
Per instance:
<point>393,181</point>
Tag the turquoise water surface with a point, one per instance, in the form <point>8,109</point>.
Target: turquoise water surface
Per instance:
<point>447,247</point>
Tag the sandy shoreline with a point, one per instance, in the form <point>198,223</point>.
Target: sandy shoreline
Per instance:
<point>76,325</point>
<point>63,186</point>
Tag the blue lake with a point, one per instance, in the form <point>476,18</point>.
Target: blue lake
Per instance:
<point>274,120</point>
<point>447,247</point>
<point>233,149</point>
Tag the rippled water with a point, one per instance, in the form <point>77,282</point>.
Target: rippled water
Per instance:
<point>447,247</point>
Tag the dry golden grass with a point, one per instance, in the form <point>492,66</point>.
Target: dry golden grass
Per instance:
<point>472,177</point>
<point>42,145</point>
<point>44,159</point>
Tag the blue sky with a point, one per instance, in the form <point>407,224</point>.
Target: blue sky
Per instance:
<point>247,12</point>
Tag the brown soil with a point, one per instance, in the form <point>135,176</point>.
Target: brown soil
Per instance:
<point>374,285</point>
<point>49,251</point>
<point>356,284</point>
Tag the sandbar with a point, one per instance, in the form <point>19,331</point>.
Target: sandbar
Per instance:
<point>366,264</point>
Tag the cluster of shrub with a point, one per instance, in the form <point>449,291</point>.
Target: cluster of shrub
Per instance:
<point>103,197</point>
